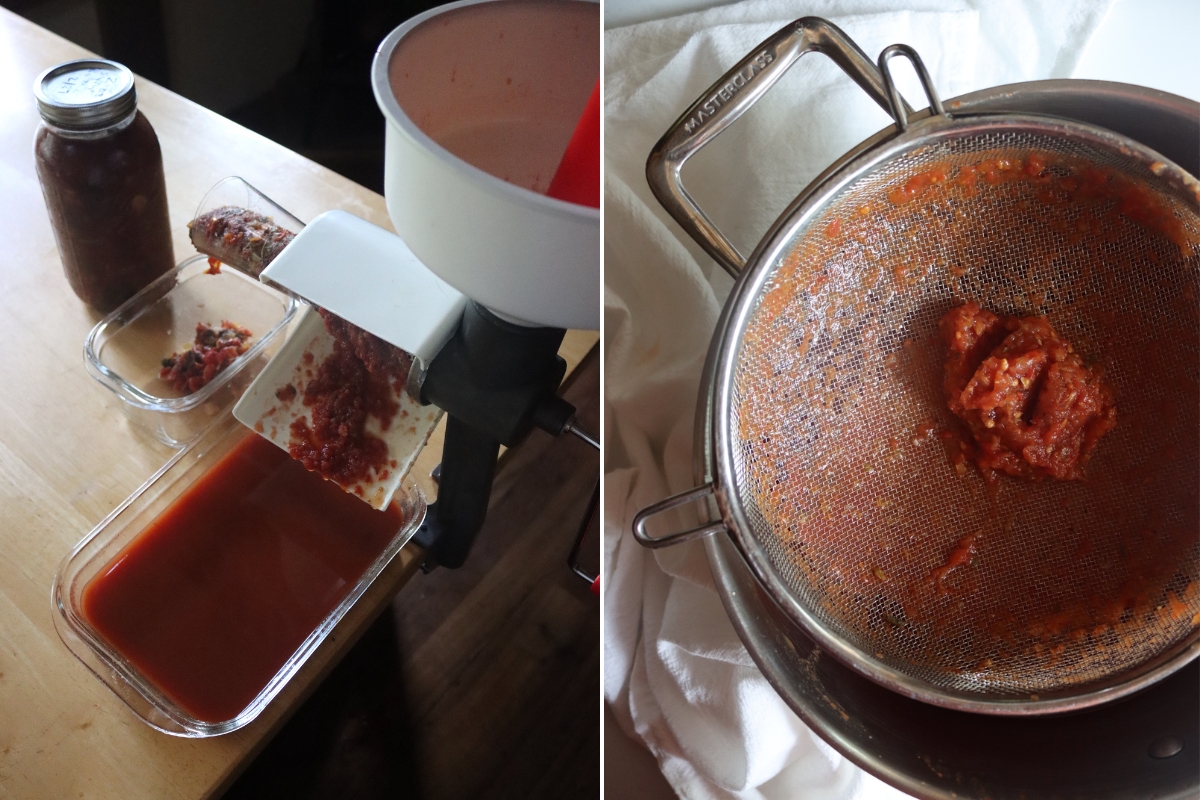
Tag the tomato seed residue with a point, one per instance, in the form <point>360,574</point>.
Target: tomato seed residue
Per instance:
<point>354,382</point>
<point>1034,408</point>
<point>212,351</point>
<point>1066,183</point>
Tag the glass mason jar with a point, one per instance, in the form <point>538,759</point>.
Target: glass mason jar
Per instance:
<point>101,172</point>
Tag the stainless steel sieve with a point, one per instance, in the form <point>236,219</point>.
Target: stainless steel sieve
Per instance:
<point>824,381</point>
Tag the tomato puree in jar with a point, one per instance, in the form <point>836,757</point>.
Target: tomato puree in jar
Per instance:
<point>100,167</point>
<point>219,591</point>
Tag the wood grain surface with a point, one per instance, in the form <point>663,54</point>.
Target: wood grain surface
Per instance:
<point>482,682</point>
<point>68,455</point>
<point>501,658</point>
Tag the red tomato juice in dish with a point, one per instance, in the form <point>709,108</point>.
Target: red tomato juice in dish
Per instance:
<point>215,595</point>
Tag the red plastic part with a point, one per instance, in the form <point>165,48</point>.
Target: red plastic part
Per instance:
<point>596,586</point>
<point>577,179</point>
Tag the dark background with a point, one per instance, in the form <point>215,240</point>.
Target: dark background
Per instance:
<point>481,682</point>
<point>320,105</point>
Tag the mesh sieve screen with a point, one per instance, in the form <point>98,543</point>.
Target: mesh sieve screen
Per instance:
<point>839,413</point>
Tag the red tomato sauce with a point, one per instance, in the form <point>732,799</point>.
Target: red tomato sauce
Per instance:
<point>215,595</point>
<point>962,555</point>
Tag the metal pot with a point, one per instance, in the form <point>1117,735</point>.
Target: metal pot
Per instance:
<point>1145,745</point>
<point>799,470</point>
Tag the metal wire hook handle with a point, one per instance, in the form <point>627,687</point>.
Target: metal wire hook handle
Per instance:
<point>895,101</point>
<point>642,519</point>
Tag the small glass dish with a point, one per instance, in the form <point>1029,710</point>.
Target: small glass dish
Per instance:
<point>96,553</point>
<point>125,350</point>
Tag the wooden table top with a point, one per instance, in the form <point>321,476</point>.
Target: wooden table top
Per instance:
<point>68,455</point>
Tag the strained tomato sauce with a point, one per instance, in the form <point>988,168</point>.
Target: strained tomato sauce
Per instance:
<point>219,591</point>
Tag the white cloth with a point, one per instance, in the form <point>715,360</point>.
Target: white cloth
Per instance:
<point>675,673</point>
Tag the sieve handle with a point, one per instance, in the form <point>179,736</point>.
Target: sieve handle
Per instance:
<point>728,99</point>
<point>674,501</point>
<point>896,106</point>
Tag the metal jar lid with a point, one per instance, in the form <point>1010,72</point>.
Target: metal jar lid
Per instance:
<point>85,95</point>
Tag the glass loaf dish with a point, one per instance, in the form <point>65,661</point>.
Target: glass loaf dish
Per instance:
<point>124,351</point>
<point>95,554</point>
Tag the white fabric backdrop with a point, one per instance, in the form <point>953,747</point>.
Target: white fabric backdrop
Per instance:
<point>675,673</point>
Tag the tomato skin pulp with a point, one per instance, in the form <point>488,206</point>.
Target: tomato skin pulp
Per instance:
<point>217,593</point>
<point>1035,409</point>
<point>359,379</point>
